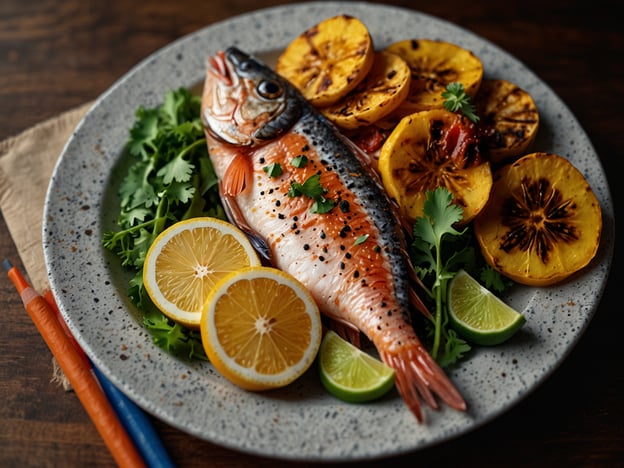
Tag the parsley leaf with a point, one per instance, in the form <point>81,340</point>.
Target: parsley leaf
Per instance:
<point>312,188</point>
<point>299,161</point>
<point>169,178</point>
<point>273,169</point>
<point>361,239</point>
<point>456,99</point>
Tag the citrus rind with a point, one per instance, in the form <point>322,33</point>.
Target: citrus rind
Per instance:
<point>434,65</point>
<point>415,159</point>
<point>329,59</point>
<point>479,315</point>
<point>261,328</point>
<point>187,259</point>
<point>383,89</point>
<point>542,223</point>
<point>351,374</point>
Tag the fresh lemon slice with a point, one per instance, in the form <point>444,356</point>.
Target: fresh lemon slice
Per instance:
<point>187,259</point>
<point>350,373</point>
<point>479,315</point>
<point>261,328</point>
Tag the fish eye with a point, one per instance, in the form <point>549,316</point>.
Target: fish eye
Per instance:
<point>270,89</point>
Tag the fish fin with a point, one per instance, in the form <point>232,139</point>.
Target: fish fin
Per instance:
<point>236,175</point>
<point>418,377</point>
<point>417,303</point>
<point>236,217</point>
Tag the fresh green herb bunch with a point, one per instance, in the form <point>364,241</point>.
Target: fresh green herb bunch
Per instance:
<point>171,179</point>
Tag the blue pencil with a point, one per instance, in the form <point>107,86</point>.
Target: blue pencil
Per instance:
<point>132,418</point>
<point>137,424</point>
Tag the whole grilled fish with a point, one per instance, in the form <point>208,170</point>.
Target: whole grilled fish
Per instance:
<point>301,193</point>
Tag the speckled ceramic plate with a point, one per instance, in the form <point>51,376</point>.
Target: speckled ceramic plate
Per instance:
<point>302,421</point>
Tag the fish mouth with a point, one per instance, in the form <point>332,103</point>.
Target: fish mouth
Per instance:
<point>222,68</point>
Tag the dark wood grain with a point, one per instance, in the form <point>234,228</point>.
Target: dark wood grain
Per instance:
<point>55,55</point>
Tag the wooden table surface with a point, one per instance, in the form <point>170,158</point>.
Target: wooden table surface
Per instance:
<point>55,55</point>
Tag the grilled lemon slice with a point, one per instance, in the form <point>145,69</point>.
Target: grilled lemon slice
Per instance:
<point>383,89</point>
<point>509,119</point>
<point>328,60</point>
<point>542,223</point>
<point>430,149</point>
<point>434,65</point>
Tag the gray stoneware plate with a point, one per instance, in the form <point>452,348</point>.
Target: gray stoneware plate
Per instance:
<point>301,422</point>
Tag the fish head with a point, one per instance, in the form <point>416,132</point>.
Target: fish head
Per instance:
<point>245,102</point>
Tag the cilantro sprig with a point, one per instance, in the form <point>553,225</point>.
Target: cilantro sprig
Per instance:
<point>439,251</point>
<point>429,232</point>
<point>170,178</point>
<point>456,99</point>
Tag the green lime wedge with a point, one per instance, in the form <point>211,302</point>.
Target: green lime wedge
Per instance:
<point>478,315</point>
<point>350,373</point>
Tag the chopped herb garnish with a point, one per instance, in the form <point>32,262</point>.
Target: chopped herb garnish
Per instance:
<point>456,99</point>
<point>312,188</point>
<point>273,170</point>
<point>299,161</point>
<point>322,205</point>
<point>361,239</point>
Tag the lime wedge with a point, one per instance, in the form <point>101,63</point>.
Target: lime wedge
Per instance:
<point>479,315</point>
<point>350,373</point>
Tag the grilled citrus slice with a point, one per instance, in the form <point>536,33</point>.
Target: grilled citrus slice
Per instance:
<point>350,373</point>
<point>187,259</point>
<point>261,328</point>
<point>509,119</point>
<point>385,86</point>
<point>430,149</point>
<point>479,315</point>
<point>328,60</point>
<point>434,65</point>
<point>542,223</point>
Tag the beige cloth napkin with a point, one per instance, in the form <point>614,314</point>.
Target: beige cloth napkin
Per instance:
<point>26,164</point>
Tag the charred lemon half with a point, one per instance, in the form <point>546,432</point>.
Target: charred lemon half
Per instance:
<point>434,65</point>
<point>383,89</point>
<point>329,59</point>
<point>509,119</point>
<point>542,223</point>
<point>431,149</point>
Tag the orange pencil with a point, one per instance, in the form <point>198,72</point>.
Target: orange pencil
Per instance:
<point>78,372</point>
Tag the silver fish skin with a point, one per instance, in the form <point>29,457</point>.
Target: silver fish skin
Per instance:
<point>353,257</point>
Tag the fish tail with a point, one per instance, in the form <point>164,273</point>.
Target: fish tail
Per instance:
<point>419,378</point>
